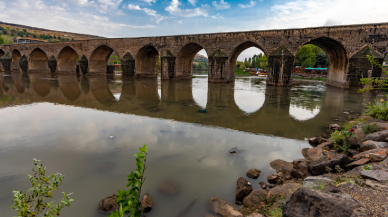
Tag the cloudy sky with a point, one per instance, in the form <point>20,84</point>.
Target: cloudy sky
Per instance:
<point>132,18</point>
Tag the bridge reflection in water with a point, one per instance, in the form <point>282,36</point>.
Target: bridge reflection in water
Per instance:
<point>174,100</point>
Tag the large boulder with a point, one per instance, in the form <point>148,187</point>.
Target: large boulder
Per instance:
<point>315,154</point>
<point>254,198</point>
<point>243,190</point>
<point>366,154</point>
<point>282,191</point>
<point>281,166</point>
<point>306,202</point>
<point>253,173</point>
<point>377,157</point>
<point>357,163</point>
<point>370,145</point>
<point>377,136</point>
<point>381,126</point>
<point>319,167</point>
<point>221,207</point>
<point>378,175</point>
<point>315,181</point>
<point>301,169</point>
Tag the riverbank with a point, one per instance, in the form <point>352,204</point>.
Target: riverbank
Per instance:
<point>342,175</point>
<point>305,76</point>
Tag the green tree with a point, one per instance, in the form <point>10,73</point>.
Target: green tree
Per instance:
<point>310,62</point>
<point>2,41</point>
<point>242,67</point>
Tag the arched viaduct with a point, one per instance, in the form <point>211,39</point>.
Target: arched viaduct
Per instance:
<point>346,47</point>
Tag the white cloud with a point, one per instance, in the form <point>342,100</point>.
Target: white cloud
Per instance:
<point>149,1</point>
<point>251,4</point>
<point>174,9</point>
<point>102,6</point>
<point>312,13</point>
<point>148,11</point>
<point>193,2</point>
<point>217,16</point>
<point>180,21</point>
<point>222,5</point>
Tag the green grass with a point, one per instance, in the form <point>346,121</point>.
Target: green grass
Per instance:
<point>7,39</point>
<point>243,73</point>
<point>316,79</point>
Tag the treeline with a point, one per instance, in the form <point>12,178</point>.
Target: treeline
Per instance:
<point>311,56</point>
<point>200,65</point>
<point>257,61</point>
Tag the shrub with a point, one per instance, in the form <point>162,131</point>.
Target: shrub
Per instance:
<point>31,204</point>
<point>129,200</point>
<point>379,110</point>
<point>341,139</point>
<point>369,128</point>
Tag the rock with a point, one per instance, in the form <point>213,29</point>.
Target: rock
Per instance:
<point>370,145</point>
<point>357,163</point>
<point>315,154</point>
<point>306,202</point>
<point>346,113</point>
<point>169,187</point>
<point>360,212</point>
<point>253,173</point>
<point>378,175</point>
<point>281,166</point>
<point>314,181</point>
<point>109,203</point>
<point>365,154</point>
<point>255,215</point>
<point>319,167</point>
<point>222,208</point>
<point>304,152</point>
<point>377,136</point>
<point>376,157</point>
<point>243,190</point>
<point>324,145</point>
<point>331,189</point>
<point>282,191</point>
<point>254,198</point>
<point>301,170</point>
<point>314,141</point>
<point>381,126</point>
<point>354,142</point>
<point>334,127</point>
<point>274,179</point>
<point>146,203</point>
<point>263,185</point>
<point>372,120</point>
<point>271,185</point>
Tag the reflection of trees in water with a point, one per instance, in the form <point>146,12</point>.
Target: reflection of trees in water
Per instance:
<point>308,97</point>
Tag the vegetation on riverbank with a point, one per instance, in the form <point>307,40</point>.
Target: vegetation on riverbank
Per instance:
<point>240,72</point>
<point>316,79</point>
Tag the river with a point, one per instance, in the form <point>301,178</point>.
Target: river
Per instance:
<point>89,128</point>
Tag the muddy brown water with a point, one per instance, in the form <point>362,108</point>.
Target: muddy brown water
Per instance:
<point>89,128</point>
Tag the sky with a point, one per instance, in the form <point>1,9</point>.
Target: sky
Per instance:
<point>136,18</point>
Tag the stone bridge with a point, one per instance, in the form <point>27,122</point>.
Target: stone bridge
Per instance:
<point>346,47</point>
<point>175,101</point>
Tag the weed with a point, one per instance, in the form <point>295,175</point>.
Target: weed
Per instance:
<point>370,128</point>
<point>367,167</point>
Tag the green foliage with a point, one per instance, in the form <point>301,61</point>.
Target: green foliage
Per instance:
<point>341,139</point>
<point>129,200</point>
<point>374,83</point>
<point>367,167</point>
<point>369,128</point>
<point>378,110</point>
<point>262,62</point>
<point>311,55</point>
<point>31,204</point>
<point>1,40</point>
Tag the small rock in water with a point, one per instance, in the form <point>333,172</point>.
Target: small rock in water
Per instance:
<point>253,173</point>
<point>271,185</point>
<point>263,185</point>
<point>109,203</point>
<point>346,113</point>
<point>232,152</point>
<point>146,203</point>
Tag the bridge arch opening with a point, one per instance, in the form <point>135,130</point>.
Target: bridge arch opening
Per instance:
<point>147,62</point>
<point>38,61</point>
<point>191,57</point>
<point>16,55</point>
<point>67,60</point>
<point>329,54</point>
<point>246,58</point>
<point>99,61</point>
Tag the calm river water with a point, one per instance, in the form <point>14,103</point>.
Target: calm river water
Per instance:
<point>68,122</point>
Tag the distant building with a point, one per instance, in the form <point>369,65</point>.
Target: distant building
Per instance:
<point>19,40</point>
<point>68,36</point>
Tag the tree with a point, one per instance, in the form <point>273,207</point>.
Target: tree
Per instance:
<point>310,62</point>
<point>2,40</point>
<point>250,60</point>
<point>24,30</point>
<point>242,67</point>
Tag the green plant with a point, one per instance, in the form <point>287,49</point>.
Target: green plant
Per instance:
<point>374,83</point>
<point>369,128</point>
<point>378,110</point>
<point>275,212</point>
<point>367,167</point>
<point>339,169</point>
<point>129,200</point>
<point>320,186</point>
<point>32,202</point>
<point>341,139</point>
<point>328,169</point>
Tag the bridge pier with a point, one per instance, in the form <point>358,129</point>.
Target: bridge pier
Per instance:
<point>6,61</point>
<point>218,68</point>
<point>361,67</point>
<point>52,64</point>
<point>280,67</point>
<point>128,65</point>
<point>83,64</point>
<point>168,66</point>
<point>23,63</point>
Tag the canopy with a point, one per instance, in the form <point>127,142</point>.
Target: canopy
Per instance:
<point>310,68</point>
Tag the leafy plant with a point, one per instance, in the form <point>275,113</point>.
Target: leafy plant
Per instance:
<point>129,200</point>
<point>369,128</point>
<point>367,167</point>
<point>341,139</point>
<point>374,83</point>
<point>379,110</point>
<point>32,202</point>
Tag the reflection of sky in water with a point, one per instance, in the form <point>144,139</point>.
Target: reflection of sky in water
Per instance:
<point>249,101</point>
<point>117,96</point>
<point>302,114</point>
<point>199,91</point>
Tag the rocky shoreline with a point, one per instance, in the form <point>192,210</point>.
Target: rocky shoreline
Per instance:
<point>329,181</point>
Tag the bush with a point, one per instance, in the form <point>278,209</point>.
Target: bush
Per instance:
<point>31,204</point>
<point>379,110</point>
<point>341,139</point>
<point>369,128</point>
<point>129,200</point>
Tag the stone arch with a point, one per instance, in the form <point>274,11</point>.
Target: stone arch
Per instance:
<point>185,58</point>
<point>238,50</point>
<point>146,62</point>
<point>16,55</point>
<point>67,60</point>
<point>2,53</point>
<point>98,60</point>
<point>38,60</point>
<point>338,59</point>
